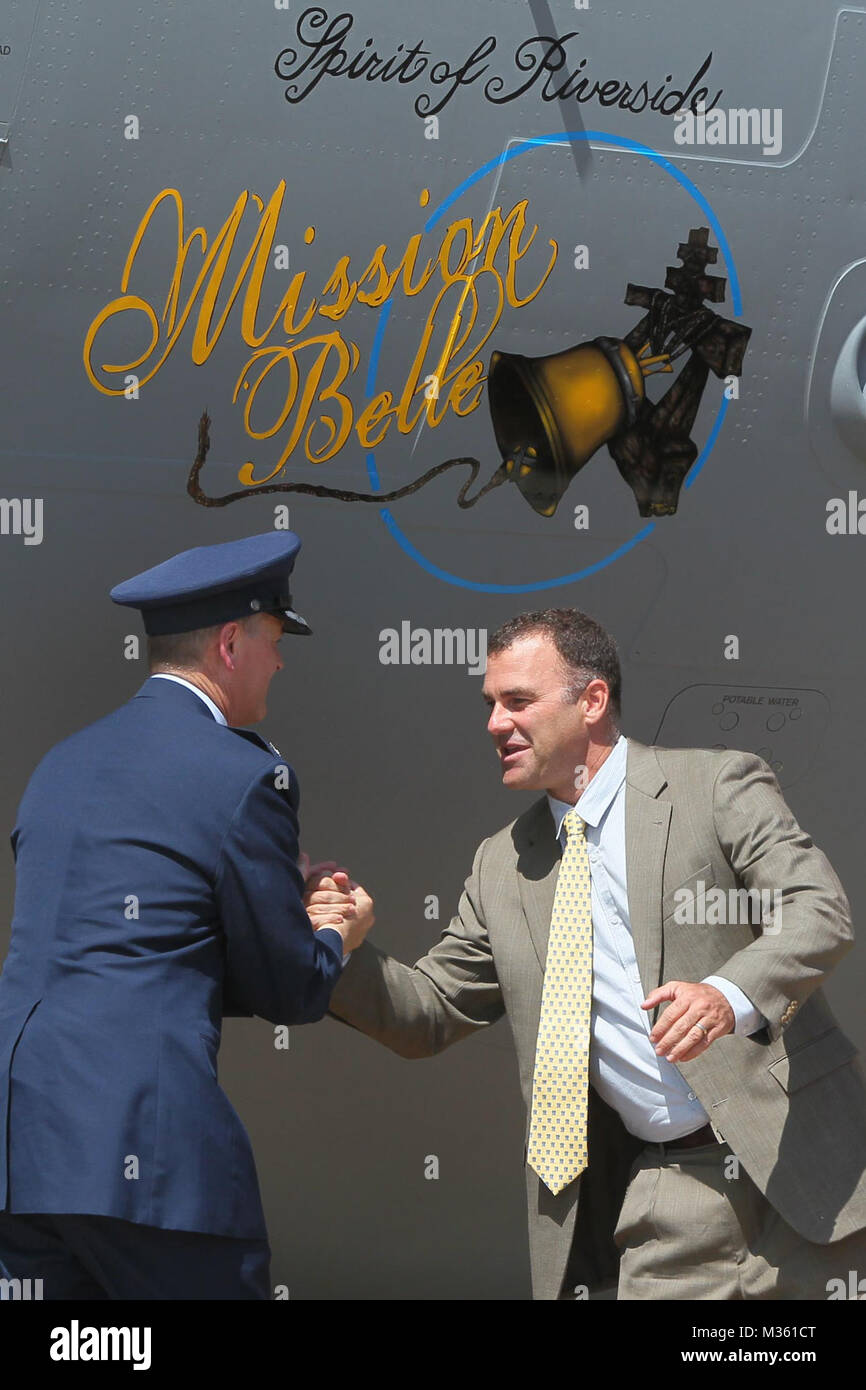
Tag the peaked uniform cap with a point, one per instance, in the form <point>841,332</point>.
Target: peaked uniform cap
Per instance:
<point>213,584</point>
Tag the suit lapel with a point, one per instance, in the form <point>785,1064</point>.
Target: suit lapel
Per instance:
<point>538,857</point>
<point>647,825</point>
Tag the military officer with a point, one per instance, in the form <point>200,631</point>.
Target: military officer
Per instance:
<point>157,889</point>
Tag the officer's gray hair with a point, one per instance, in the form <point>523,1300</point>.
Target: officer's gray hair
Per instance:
<point>183,651</point>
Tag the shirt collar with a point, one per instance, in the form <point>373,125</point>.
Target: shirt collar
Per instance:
<point>179,680</point>
<point>595,801</point>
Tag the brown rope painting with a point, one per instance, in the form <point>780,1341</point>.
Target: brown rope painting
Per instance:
<point>196,492</point>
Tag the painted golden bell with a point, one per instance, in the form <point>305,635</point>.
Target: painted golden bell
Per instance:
<point>550,414</point>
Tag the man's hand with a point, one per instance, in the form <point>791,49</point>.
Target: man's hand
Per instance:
<point>676,1034</point>
<point>311,873</point>
<point>338,902</point>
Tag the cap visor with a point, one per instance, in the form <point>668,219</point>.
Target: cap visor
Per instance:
<point>293,622</point>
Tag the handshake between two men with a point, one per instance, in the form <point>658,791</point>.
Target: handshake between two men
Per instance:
<point>333,899</point>
<point>661,1054</point>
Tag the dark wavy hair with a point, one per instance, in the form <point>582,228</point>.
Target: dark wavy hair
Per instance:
<point>583,645</point>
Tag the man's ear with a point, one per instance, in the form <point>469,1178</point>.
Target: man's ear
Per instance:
<point>227,644</point>
<point>597,708</point>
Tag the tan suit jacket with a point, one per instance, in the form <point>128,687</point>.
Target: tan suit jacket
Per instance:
<point>790,1099</point>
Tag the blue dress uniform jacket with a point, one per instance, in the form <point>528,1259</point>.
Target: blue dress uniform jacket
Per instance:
<point>157,889</point>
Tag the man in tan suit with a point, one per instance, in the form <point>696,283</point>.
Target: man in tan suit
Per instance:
<point>719,1148</point>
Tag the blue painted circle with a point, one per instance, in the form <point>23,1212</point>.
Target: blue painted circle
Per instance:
<point>617,142</point>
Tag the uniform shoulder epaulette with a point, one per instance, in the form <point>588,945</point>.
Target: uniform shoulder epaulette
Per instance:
<point>252,737</point>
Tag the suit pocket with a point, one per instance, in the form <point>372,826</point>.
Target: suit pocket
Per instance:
<point>688,892</point>
<point>813,1060</point>
<point>634,1224</point>
<point>13,1022</point>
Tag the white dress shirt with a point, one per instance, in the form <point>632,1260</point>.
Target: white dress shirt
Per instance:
<point>649,1094</point>
<point>179,680</point>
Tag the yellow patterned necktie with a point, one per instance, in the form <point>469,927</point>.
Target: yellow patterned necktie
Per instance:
<point>557,1149</point>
